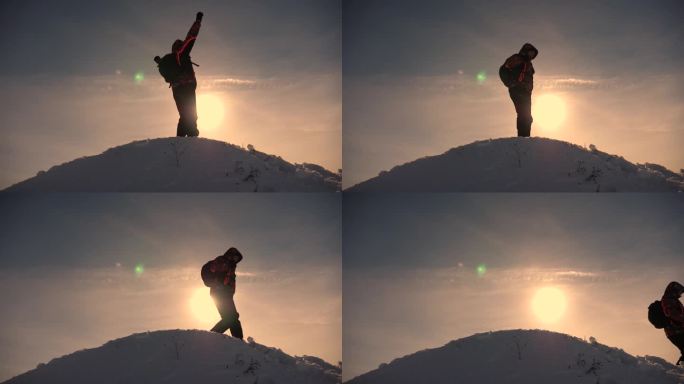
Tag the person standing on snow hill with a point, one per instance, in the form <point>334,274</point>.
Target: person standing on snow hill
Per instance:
<point>674,311</point>
<point>219,275</point>
<point>176,68</point>
<point>517,74</point>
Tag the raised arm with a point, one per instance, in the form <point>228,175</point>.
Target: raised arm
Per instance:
<point>191,36</point>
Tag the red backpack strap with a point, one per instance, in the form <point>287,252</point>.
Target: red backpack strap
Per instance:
<point>521,77</point>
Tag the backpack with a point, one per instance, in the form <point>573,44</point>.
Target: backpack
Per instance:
<point>208,276</point>
<point>506,76</point>
<point>169,68</point>
<point>656,315</point>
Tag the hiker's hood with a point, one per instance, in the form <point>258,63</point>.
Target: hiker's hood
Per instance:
<point>526,47</point>
<point>232,251</point>
<point>674,290</point>
<point>176,46</point>
<point>232,255</point>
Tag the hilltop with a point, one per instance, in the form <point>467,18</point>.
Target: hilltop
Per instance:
<point>523,164</point>
<point>179,164</point>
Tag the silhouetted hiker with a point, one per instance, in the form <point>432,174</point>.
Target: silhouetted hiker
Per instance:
<point>219,274</point>
<point>517,74</point>
<point>176,68</point>
<point>674,311</point>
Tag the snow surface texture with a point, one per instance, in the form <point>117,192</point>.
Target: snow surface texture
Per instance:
<point>524,356</point>
<point>523,165</point>
<point>182,356</point>
<point>179,164</point>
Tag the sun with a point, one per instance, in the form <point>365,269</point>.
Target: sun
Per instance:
<point>202,306</point>
<point>548,111</point>
<point>549,304</point>
<point>210,111</point>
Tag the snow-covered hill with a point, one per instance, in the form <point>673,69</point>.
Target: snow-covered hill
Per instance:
<point>525,357</point>
<point>523,165</point>
<point>181,356</point>
<point>178,164</point>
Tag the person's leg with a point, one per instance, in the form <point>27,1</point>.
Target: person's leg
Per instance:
<point>678,341</point>
<point>236,325</point>
<point>189,114</point>
<point>522,100</point>
<point>191,123</point>
<point>515,97</point>
<point>527,113</point>
<point>233,317</point>
<point>187,108</point>
<point>224,323</point>
<point>236,330</point>
<point>178,97</point>
<point>229,316</point>
<point>221,326</point>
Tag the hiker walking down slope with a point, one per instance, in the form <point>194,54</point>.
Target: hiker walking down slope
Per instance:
<point>176,68</point>
<point>219,275</point>
<point>517,74</point>
<point>674,311</point>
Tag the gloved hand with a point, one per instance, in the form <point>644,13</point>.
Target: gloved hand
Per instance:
<point>199,16</point>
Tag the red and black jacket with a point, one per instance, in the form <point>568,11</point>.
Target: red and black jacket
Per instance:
<point>221,271</point>
<point>673,308</point>
<point>521,68</point>
<point>187,73</point>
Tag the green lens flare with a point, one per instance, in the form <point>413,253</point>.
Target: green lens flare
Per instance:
<point>139,77</point>
<point>481,270</point>
<point>481,77</point>
<point>139,269</point>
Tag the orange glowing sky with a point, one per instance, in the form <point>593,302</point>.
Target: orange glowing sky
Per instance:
<point>425,271</point>
<point>103,266</point>
<point>419,88</point>
<point>276,82</point>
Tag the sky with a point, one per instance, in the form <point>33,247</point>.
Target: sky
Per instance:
<point>68,270</point>
<point>70,90</point>
<point>421,270</point>
<point>410,86</point>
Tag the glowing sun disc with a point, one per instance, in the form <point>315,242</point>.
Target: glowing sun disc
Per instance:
<point>202,306</point>
<point>210,111</point>
<point>549,304</point>
<point>548,111</point>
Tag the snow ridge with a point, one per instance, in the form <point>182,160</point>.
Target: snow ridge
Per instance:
<point>525,357</point>
<point>182,356</point>
<point>523,164</point>
<point>180,164</point>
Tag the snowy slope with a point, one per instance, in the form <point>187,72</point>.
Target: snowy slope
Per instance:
<point>178,164</point>
<point>524,356</point>
<point>181,356</point>
<point>523,165</point>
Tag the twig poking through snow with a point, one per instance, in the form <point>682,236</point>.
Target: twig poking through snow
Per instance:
<point>177,152</point>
